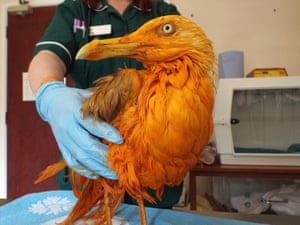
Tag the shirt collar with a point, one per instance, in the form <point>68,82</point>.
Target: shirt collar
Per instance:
<point>103,5</point>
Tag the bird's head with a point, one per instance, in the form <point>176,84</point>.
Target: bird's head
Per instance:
<point>162,39</point>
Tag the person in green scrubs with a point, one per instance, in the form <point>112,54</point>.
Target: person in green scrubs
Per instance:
<point>75,23</point>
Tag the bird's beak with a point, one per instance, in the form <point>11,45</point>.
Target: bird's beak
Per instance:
<point>107,48</point>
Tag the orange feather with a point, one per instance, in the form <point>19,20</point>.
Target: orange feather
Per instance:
<point>164,112</point>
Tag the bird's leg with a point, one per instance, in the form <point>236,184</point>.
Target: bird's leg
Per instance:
<point>107,202</point>
<point>140,203</point>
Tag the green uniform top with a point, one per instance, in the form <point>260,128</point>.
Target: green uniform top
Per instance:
<point>74,24</point>
<point>71,28</point>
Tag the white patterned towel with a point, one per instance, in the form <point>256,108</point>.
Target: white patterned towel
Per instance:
<point>48,208</point>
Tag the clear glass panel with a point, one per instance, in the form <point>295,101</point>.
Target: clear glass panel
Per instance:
<point>266,121</point>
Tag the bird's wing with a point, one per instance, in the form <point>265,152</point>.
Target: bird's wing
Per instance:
<point>111,93</point>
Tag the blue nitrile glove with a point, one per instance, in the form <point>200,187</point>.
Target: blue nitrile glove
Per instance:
<point>77,138</point>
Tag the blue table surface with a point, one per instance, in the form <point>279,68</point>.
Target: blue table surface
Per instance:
<point>47,208</point>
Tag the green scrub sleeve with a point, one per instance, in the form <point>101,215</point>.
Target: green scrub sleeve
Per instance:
<point>59,36</point>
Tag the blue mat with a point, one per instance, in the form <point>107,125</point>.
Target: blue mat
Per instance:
<point>47,208</point>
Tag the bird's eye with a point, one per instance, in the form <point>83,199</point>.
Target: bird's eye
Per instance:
<point>168,29</point>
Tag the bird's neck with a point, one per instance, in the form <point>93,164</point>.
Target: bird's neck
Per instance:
<point>177,72</point>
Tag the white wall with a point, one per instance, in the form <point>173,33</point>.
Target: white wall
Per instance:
<point>268,31</point>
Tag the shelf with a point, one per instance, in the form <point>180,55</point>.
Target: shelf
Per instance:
<point>292,172</point>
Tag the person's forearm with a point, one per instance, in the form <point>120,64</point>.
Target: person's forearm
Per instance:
<point>45,67</point>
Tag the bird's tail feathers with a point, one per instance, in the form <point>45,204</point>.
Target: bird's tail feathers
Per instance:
<point>51,171</point>
<point>96,199</point>
<point>90,205</point>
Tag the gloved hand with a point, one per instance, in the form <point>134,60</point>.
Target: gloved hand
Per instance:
<point>77,138</point>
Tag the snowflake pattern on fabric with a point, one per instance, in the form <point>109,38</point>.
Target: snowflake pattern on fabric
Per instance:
<point>54,205</point>
<point>51,206</point>
<point>37,209</point>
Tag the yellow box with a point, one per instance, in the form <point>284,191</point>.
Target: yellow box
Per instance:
<point>268,72</point>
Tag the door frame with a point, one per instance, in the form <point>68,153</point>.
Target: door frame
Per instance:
<point>3,85</point>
